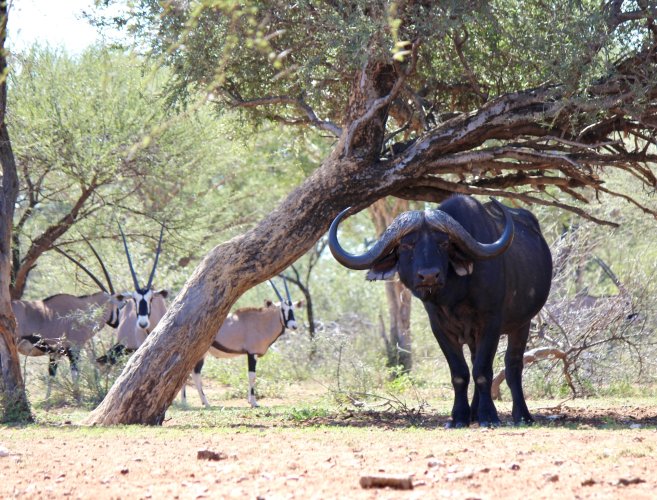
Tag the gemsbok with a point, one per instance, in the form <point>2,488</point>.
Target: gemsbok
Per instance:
<point>251,331</point>
<point>61,324</point>
<point>141,314</point>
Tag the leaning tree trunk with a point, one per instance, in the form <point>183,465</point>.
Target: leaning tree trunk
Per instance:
<point>154,374</point>
<point>398,338</point>
<point>15,406</point>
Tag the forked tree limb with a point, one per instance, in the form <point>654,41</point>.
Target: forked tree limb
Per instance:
<point>531,357</point>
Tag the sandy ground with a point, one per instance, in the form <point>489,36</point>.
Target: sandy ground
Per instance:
<point>575,451</point>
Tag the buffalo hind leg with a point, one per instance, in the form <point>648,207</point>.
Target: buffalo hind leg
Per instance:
<point>252,379</point>
<point>474,407</point>
<point>513,361</point>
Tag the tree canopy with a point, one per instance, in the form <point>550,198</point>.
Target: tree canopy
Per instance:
<point>565,88</point>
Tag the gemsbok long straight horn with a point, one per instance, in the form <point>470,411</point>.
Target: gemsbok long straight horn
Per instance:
<point>143,296</point>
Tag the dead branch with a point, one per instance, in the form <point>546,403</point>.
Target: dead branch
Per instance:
<point>531,357</point>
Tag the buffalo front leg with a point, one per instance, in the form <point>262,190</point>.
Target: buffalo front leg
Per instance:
<point>513,361</point>
<point>482,375</point>
<point>252,380</point>
<point>458,369</point>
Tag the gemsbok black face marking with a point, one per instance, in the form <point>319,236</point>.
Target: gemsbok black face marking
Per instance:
<point>142,296</point>
<point>287,308</point>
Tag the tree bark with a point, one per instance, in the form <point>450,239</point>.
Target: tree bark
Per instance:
<point>398,343</point>
<point>15,406</point>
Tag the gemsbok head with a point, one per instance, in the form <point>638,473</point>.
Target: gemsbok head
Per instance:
<point>143,296</point>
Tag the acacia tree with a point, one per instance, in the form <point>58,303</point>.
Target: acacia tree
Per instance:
<point>533,101</point>
<point>74,120</point>
<point>13,400</point>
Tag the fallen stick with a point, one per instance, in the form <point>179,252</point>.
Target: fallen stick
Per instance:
<point>399,482</point>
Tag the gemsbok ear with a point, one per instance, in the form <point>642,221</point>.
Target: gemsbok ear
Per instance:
<point>299,304</point>
<point>164,293</point>
<point>268,303</point>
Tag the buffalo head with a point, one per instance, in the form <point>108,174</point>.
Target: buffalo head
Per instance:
<point>421,246</point>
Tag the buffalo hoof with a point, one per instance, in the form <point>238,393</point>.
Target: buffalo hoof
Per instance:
<point>456,425</point>
<point>524,423</point>
<point>491,425</point>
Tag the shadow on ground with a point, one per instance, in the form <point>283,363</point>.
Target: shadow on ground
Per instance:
<point>562,416</point>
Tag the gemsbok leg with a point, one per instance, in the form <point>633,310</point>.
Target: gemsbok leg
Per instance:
<point>252,380</point>
<point>196,376</point>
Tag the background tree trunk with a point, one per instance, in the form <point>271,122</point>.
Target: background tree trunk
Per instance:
<point>398,338</point>
<point>14,404</point>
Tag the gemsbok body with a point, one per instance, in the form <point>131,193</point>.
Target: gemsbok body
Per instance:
<point>60,325</point>
<point>251,331</point>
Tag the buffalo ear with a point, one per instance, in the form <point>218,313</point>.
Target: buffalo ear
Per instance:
<point>384,268</point>
<point>462,267</point>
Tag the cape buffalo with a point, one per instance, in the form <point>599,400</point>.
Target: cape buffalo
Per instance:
<point>474,286</point>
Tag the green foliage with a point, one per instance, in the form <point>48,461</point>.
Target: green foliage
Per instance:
<point>309,49</point>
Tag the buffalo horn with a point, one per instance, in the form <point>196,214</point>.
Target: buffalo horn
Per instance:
<point>402,225</point>
<point>444,222</point>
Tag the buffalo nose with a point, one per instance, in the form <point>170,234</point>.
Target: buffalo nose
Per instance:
<point>428,277</point>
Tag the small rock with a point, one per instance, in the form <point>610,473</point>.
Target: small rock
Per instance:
<point>514,466</point>
<point>124,471</point>
<point>380,481</point>
<point>623,481</point>
<point>4,452</point>
<point>588,482</point>
<point>210,455</point>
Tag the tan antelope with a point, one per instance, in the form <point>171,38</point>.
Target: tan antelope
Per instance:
<point>61,324</point>
<point>251,331</point>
